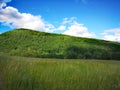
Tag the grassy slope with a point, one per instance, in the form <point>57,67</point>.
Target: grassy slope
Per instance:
<point>23,42</point>
<point>19,73</point>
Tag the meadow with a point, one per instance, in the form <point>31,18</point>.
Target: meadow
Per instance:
<point>25,73</point>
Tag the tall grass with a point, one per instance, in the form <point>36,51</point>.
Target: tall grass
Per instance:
<point>49,74</point>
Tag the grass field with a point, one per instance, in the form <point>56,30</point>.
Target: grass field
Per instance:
<point>20,73</point>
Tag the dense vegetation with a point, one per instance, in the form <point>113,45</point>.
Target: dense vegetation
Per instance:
<point>20,73</point>
<point>30,43</point>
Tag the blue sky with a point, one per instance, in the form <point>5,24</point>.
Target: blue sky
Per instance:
<point>84,18</point>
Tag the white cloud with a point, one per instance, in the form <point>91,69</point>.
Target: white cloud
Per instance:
<point>10,16</point>
<point>61,27</point>
<point>76,29</point>
<point>69,20</point>
<point>3,3</point>
<point>79,30</point>
<point>112,34</point>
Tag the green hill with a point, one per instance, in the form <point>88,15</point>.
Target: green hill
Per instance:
<point>30,43</point>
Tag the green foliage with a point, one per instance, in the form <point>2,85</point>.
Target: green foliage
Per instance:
<point>21,73</point>
<point>30,43</point>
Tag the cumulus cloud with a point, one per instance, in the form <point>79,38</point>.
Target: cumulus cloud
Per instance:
<point>76,29</point>
<point>112,34</point>
<point>61,28</point>
<point>79,30</point>
<point>11,17</point>
<point>3,3</point>
<point>69,20</point>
